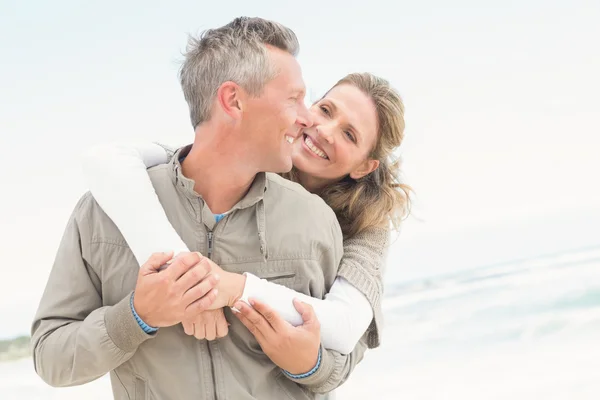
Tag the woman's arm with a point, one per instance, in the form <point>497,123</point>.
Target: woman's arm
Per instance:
<point>353,303</point>
<point>117,178</point>
<point>363,266</point>
<point>344,314</point>
<point>123,189</point>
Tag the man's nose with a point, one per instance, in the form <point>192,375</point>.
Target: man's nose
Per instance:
<point>304,117</point>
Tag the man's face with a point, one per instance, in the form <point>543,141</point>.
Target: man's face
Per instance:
<point>274,120</point>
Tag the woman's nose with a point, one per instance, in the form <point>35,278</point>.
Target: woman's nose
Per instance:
<point>325,133</point>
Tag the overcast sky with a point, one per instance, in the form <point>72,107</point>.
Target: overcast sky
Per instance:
<point>501,107</point>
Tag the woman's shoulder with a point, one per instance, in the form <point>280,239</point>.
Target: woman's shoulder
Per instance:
<point>374,234</point>
<point>168,149</point>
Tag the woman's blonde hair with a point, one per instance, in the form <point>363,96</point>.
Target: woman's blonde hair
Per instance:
<point>379,197</point>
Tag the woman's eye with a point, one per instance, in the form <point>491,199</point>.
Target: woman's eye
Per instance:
<point>324,110</point>
<point>349,135</point>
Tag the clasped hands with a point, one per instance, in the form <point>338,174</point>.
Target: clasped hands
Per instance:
<point>193,290</point>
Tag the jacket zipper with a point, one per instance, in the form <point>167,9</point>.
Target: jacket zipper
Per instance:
<point>209,236</point>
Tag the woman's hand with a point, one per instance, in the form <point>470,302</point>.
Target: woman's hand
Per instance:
<point>229,288</point>
<point>209,325</point>
<point>294,349</point>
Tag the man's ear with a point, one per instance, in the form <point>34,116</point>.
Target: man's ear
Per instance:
<point>229,97</point>
<point>364,169</point>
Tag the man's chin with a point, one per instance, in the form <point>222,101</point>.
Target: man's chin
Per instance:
<point>280,166</point>
<point>285,167</point>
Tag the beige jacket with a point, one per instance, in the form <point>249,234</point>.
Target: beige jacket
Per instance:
<point>84,327</point>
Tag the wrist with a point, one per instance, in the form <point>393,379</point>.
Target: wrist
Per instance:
<point>309,369</point>
<point>137,308</point>
<point>146,327</point>
<point>235,284</point>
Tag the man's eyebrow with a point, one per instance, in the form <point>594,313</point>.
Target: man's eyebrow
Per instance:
<point>299,92</point>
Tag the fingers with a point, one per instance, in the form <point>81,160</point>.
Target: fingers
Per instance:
<point>155,261</point>
<point>308,315</point>
<point>184,262</point>
<point>209,325</point>
<point>210,330</point>
<point>199,331</point>
<point>221,324</point>
<point>188,327</point>
<point>200,289</point>
<point>203,301</point>
<point>272,316</point>
<point>255,322</point>
<point>251,327</point>
<point>195,275</point>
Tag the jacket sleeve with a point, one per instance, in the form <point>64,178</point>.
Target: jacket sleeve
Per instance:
<point>335,367</point>
<point>75,339</point>
<point>334,370</point>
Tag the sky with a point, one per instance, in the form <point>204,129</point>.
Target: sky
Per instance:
<point>501,103</point>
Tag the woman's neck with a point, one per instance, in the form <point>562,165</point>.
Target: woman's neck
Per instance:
<point>311,183</point>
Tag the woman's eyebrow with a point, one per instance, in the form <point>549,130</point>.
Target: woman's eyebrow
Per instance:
<point>334,110</point>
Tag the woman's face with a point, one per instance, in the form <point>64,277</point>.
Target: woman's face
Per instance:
<point>340,141</point>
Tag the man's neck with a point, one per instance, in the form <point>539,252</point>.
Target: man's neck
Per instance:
<point>220,169</point>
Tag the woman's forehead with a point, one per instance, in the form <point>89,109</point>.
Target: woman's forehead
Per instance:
<point>357,109</point>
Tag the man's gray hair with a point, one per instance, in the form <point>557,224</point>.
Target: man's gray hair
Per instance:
<point>236,52</point>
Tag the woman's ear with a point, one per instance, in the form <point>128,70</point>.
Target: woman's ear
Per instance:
<point>364,169</point>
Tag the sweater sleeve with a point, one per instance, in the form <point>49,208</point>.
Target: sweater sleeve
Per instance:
<point>362,266</point>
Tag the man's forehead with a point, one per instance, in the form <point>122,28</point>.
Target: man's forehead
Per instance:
<point>288,70</point>
<point>297,85</point>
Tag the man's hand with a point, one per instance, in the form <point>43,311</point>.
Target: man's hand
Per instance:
<point>209,325</point>
<point>294,349</point>
<point>184,288</point>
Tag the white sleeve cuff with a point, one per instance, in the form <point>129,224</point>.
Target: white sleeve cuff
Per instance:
<point>251,289</point>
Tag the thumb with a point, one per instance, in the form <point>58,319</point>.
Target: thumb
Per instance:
<point>156,261</point>
<point>307,312</point>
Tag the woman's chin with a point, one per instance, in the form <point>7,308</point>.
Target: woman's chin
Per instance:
<point>306,165</point>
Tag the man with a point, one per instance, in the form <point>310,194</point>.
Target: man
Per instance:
<point>100,313</point>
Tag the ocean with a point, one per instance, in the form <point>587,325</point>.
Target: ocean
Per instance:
<point>528,329</point>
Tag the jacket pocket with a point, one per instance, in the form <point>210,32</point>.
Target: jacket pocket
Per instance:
<point>139,388</point>
<point>279,276</point>
<point>292,390</point>
<point>285,278</point>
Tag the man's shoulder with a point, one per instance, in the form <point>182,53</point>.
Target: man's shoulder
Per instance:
<point>299,203</point>
<point>86,207</point>
<point>300,219</point>
<point>160,171</point>
<point>94,224</point>
<point>295,194</point>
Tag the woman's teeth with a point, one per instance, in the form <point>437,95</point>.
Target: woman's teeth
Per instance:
<point>314,148</point>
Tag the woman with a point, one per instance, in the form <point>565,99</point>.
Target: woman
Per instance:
<point>345,158</point>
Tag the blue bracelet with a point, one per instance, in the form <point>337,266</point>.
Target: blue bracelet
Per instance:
<point>145,327</point>
<point>307,374</point>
